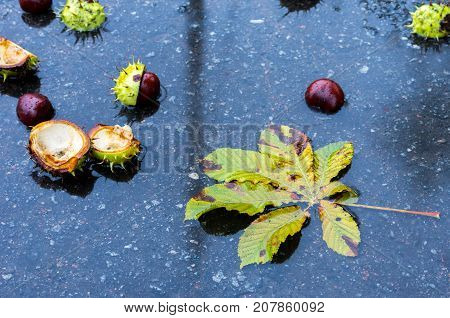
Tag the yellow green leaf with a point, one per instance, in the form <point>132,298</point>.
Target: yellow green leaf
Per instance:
<point>282,142</point>
<point>227,164</point>
<point>330,160</point>
<point>292,147</point>
<point>285,170</point>
<point>340,230</point>
<point>262,239</point>
<point>349,197</point>
<point>334,188</point>
<point>245,197</point>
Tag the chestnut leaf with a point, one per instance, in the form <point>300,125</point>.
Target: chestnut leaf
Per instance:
<point>273,182</point>
<point>262,239</point>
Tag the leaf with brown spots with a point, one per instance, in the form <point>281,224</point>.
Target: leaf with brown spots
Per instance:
<point>262,239</point>
<point>245,197</point>
<point>346,197</point>
<point>291,147</point>
<point>338,188</point>
<point>329,161</point>
<point>340,230</point>
<point>227,164</point>
<point>282,142</point>
<point>285,171</point>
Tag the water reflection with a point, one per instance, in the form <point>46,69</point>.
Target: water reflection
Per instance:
<point>223,222</point>
<point>138,114</point>
<point>83,37</point>
<point>83,182</point>
<point>80,185</point>
<point>287,248</point>
<point>298,5</point>
<point>141,112</point>
<point>118,174</point>
<point>16,87</point>
<point>195,15</point>
<point>424,134</point>
<point>38,20</point>
<point>429,44</point>
<point>396,11</point>
<point>195,25</point>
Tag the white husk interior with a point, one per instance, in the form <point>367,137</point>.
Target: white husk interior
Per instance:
<point>11,53</point>
<point>61,142</point>
<point>113,139</point>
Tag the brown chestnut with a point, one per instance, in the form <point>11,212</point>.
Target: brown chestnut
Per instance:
<point>325,95</point>
<point>34,108</point>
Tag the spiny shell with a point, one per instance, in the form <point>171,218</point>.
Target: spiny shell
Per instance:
<point>58,146</point>
<point>128,83</point>
<point>83,15</point>
<point>14,60</point>
<point>113,144</point>
<point>427,20</point>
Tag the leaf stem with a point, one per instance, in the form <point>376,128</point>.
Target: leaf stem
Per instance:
<point>432,214</point>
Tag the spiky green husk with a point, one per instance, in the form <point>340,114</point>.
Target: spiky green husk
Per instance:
<point>79,167</point>
<point>26,61</point>
<point>128,83</point>
<point>7,73</point>
<point>115,157</point>
<point>30,66</point>
<point>427,19</point>
<point>32,63</point>
<point>83,16</point>
<point>49,158</point>
<point>119,158</point>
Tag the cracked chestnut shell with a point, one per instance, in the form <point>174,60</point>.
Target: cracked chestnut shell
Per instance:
<point>58,146</point>
<point>114,145</point>
<point>15,61</point>
<point>325,95</point>
<point>135,86</point>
